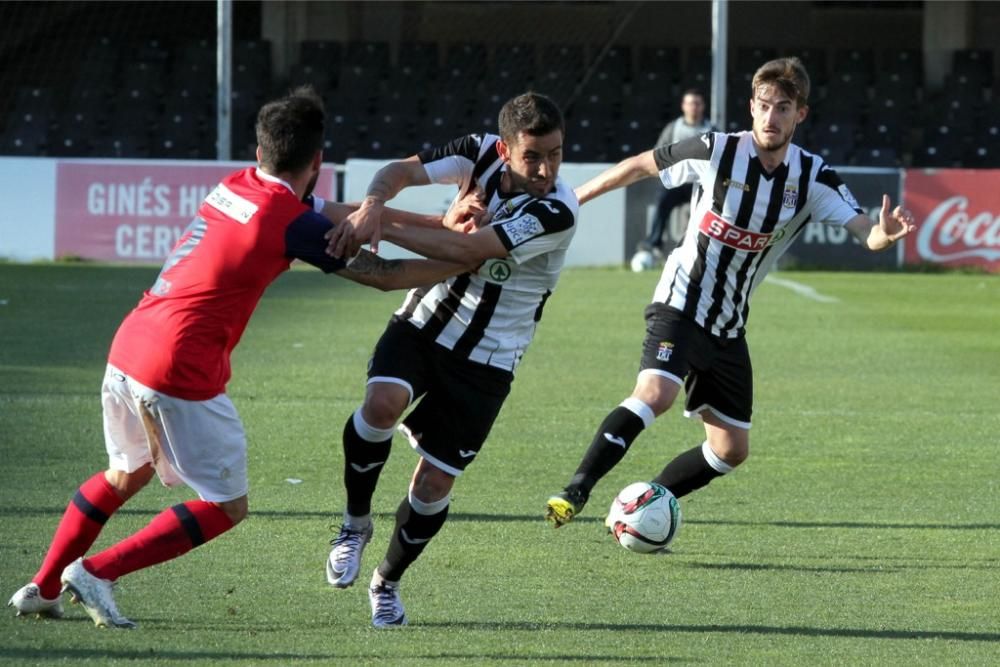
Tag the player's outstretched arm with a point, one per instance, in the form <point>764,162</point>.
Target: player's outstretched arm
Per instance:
<point>369,269</point>
<point>386,184</point>
<point>468,249</point>
<point>466,215</point>
<point>626,172</point>
<point>893,224</point>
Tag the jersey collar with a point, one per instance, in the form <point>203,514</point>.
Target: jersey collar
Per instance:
<point>264,176</point>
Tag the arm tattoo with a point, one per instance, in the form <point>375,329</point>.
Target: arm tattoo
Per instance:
<point>378,189</point>
<point>369,264</point>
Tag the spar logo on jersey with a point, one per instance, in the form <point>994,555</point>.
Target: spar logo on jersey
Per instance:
<point>665,349</point>
<point>735,237</point>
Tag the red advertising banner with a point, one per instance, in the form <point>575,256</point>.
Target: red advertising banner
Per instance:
<point>135,211</point>
<point>958,217</point>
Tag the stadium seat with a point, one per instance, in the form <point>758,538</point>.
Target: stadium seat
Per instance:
<point>698,73</point>
<point>469,58</point>
<point>24,134</point>
<point>139,74</point>
<point>38,100</point>
<point>650,89</point>
<point>935,155</point>
<point>876,157</point>
<point>900,85</point>
<point>834,155</point>
<point>564,59</point>
<point>324,54</point>
<point>418,60</point>
<point>982,156</point>
<point>301,74</point>
<point>646,109</point>
<point>517,59</point>
<point>834,141</point>
<point>122,146</point>
<point>616,62</point>
<point>816,61</point>
<point>975,64</point>
<point>606,85</point>
<point>664,61</point>
<point>907,64</point>
<point>372,56</point>
<point>860,63</point>
<point>877,134</point>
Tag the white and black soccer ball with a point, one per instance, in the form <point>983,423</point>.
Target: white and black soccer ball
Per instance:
<point>644,517</point>
<point>643,261</point>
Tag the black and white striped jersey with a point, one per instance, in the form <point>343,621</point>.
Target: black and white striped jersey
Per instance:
<point>490,316</point>
<point>742,221</point>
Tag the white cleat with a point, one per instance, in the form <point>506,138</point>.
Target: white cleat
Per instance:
<point>28,600</point>
<point>345,557</point>
<point>95,595</point>
<point>387,608</point>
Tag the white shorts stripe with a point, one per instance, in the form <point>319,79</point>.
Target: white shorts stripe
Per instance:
<point>729,420</point>
<point>665,374</point>
<point>391,380</point>
<point>433,460</point>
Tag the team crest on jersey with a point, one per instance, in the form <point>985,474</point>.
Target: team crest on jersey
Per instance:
<point>791,196</point>
<point>506,210</point>
<point>522,229</point>
<point>664,351</point>
<point>498,270</point>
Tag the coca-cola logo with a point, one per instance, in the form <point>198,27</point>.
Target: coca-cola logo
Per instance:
<point>949,233</point>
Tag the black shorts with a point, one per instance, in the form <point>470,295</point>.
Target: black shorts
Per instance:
<point>459,399</point>
<point>716,372</point>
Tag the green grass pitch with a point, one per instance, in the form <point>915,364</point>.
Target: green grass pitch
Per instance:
<point>864,528</point>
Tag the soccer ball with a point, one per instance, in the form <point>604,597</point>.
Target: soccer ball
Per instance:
<point>642,261</point>
<point>644,517</point>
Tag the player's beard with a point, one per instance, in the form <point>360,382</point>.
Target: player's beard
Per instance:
<point>311,185</point>
<point>524,184</point>
<point>770,142</point>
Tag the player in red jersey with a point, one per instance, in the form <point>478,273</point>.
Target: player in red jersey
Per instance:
<point>165,408</point>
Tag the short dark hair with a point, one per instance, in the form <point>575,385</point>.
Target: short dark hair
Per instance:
<point>694,91</point>
<point>290,131</point>
<point>788,75</point>
<point>532,113</point>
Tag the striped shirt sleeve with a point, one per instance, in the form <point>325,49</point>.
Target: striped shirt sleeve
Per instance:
<point>833,202</point>
<point>541,227</point>
<point>679,163</point>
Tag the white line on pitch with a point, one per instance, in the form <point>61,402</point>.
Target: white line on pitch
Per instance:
<point>803,290</point>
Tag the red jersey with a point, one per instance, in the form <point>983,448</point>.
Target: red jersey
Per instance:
<point>179,338</point>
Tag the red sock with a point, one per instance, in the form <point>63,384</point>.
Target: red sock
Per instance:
<point>171,533</point>
<point>93,504</point>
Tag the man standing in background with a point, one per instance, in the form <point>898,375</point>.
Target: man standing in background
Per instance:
<point>690,123</point>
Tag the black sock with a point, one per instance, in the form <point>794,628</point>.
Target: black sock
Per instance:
<point>612,440</point>
<point>687,472</point>
<point>413,532</point>
<point>363,462</point>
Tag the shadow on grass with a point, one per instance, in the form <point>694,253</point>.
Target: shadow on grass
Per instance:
<point>791,630</point>
<point>537,518</point>
<point>108,654</point>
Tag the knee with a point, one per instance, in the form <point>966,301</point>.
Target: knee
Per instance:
<point>431,484</point>
<point>127,484</point>
<point>383,409</point>
<point>733,451</point>
<point>657,393</point>
<point>236,510</point>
